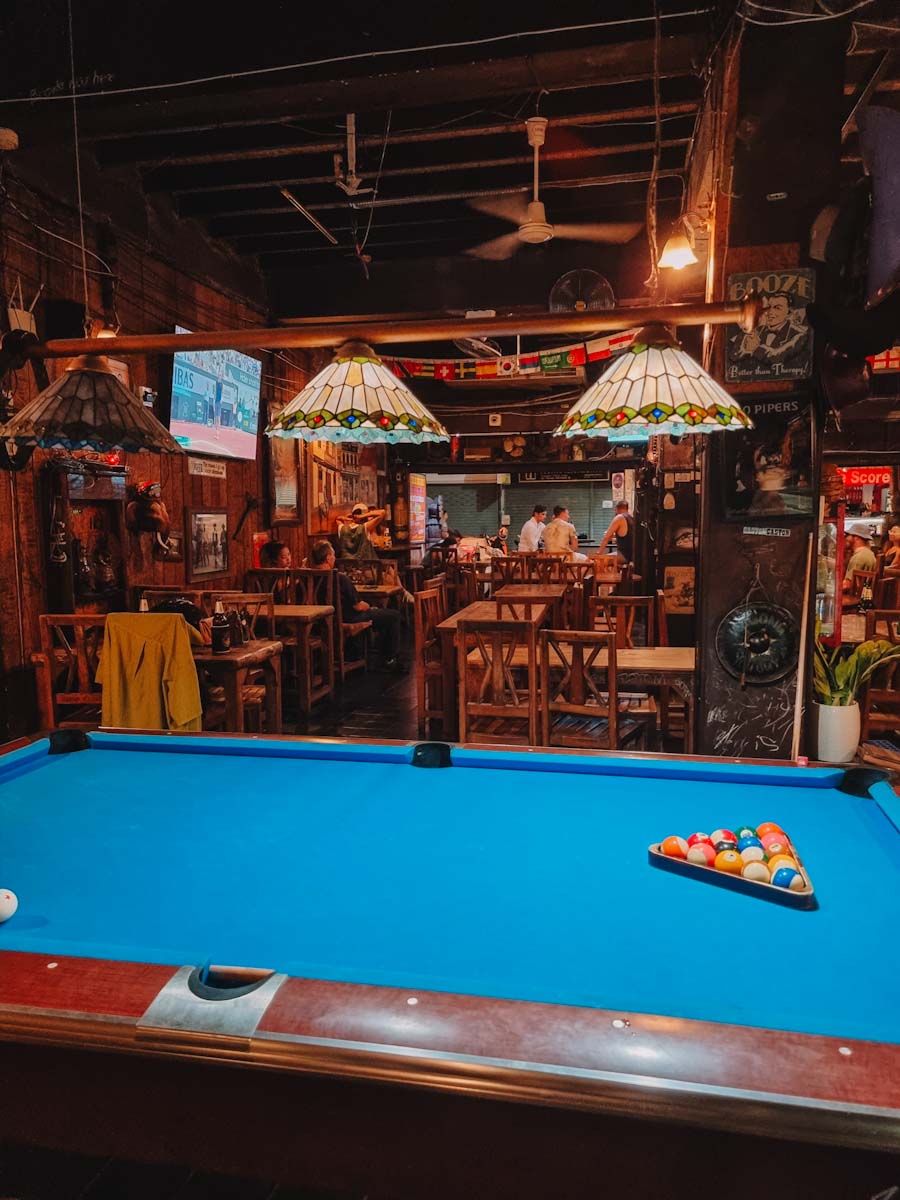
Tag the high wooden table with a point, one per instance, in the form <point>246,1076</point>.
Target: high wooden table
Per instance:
<point>229,671</point>
<point>535,593</point>
<point>379,595</point>
<point>650,666</point>
<point>302,620</point>
<point>481,610</point>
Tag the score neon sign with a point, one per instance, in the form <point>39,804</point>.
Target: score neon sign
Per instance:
<point>862,476</point>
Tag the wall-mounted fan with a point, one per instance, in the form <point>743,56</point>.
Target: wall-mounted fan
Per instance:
<point>531,217</point>
<point>581,290</point>
<point>474,347</point>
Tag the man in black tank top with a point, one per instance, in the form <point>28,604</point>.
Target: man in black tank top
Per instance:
<point>622,529</point>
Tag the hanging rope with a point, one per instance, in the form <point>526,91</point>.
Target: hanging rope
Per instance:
<point>652,280</point>
<point>84,266</point>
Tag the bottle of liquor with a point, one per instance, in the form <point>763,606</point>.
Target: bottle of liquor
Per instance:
<point>221,631</point>
<point>143,606</point>
<point>865,597</point>
<point>245,625</point>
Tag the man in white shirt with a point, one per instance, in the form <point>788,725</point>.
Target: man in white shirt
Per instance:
<point>533,529</point>
<point>560,536</point>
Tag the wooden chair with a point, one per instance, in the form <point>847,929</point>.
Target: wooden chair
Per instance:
<point>883,623</point>
<point>672,708</point>
<point>438,585</point>
<point>259,607</point>
<point>548,568</point>
<point>66,668</point>
<point>430,699</point>
<point>510,568</point>
<point>277,580</point>
<point>886,593</point>
<point>880,708</point>
<point>498,699</point>
<point>580,701</point>
<point>618,615</point>
<point>464,585</point>
<point>578,578</point>
<point>350,639</point>
<point>859,579</point>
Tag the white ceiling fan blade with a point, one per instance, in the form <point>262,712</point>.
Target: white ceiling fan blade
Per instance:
<point>497,249</point>
<point>505,208</point>
<point>613,233</point>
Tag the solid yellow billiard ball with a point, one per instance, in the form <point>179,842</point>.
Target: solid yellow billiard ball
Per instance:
<point>781,860</point>
<point>730,862</point>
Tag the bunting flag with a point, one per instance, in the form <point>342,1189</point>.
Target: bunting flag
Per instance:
<point>562,358</point>
<point>888,360</point>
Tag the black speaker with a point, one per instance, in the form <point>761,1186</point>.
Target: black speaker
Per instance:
<point>61,319</point>
<point>788,141</point>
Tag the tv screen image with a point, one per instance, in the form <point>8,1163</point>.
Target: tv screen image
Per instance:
<point>215,401</point>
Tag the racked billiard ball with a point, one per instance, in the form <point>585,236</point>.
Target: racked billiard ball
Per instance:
<point>782,860</point>
<point>757,871</point>
<point>730,862</point>
<point>674,847</point>
<point>744,842</point>
<point>768,827</point>
<point>725,844</point>
<point>699,837</point>
<point>701,854</point>
<point>745,831</point>
<point>722,835</point>
<point>752,853</point>
<point>784,877</point>
<point>775,846</point>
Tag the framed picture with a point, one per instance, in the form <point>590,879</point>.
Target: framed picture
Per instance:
<point>207,530</point>
<point>169,548</point>
<point>780,348</point>
<point>678,588</point>
<point>284,486</point>
<point>768,469</point>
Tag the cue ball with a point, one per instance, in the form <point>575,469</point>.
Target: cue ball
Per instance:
<point>701,854</point>
<point>9,902</point>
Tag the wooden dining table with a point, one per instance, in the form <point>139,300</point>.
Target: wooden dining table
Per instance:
<point>480,610</point>
<point>303,620</point>
<point>380,595</point>
<point>230,670</point>
<point>535,593</point>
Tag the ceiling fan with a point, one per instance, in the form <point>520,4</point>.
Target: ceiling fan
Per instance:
<point>531,217</point>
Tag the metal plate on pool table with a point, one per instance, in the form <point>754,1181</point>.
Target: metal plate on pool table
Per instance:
<point>804,899</point>
<point>177,1013</point>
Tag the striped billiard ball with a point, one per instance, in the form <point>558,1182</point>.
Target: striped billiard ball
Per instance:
<point>722,835</point>
<point>784,877</point>
<point>674,847</point>
<point>701,854</point>
<point>757,871</point>
<point>745,831</point>
<point>699,837</point>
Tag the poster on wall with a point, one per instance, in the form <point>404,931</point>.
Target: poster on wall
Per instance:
<point>678,590</point>
<point>284,489</point>
<point>780,348</point>
<point>417,508</point>
<point>768,469</point>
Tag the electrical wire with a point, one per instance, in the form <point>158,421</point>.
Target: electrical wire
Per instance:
<point>84,270</point>
<point>363,56</point>
<point>387,133</point>
<point>795,20</point>
<point>652,281</point>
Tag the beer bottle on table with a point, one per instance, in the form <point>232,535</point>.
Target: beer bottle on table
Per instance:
<point>221,630</point>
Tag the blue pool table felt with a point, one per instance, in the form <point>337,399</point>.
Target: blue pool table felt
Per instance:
<point>527,884</point>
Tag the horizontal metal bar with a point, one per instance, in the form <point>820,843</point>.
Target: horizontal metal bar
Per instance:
<point>316,334</point>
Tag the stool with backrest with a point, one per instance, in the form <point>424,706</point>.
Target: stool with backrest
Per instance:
<point>438,584</point>
<point>632,620</point>
<point>578,578</point>
<point>66,669</point>
<point>430,700</point>
<point>316,655</point>
<point>548,568</point>
<point>880,703</point>
<point>350,639</point>
<point>498,682</point>
<point>580,702</point>
<point>259,609</point>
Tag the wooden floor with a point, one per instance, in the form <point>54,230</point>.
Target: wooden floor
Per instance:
<point>28,1173</point>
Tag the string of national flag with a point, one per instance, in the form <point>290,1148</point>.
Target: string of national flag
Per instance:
<point>561,358</point>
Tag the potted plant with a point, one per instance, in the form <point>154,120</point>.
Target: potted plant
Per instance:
<point>838,677</point>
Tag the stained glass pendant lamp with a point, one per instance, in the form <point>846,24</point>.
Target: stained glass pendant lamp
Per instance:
<point>357,399</point>
<point>653,388</point>
<point>87,407</point>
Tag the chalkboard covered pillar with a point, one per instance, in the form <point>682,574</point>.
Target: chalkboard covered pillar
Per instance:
<point>760,491</point>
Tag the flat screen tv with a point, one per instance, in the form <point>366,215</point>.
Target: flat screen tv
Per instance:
<point>215,402</point>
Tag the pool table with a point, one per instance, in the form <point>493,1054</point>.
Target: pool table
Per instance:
<point>384,935</point>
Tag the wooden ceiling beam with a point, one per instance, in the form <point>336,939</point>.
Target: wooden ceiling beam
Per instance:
<point>552,70</point>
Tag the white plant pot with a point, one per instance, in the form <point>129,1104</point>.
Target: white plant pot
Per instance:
<point>837,732</point>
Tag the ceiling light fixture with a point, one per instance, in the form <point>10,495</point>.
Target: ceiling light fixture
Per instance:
<point>357,399</point>
<point>655,387</point>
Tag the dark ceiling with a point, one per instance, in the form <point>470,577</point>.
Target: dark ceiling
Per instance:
<point>223,149</point>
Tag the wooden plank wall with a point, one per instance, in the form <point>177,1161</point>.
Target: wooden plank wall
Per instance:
<point>152,295</point>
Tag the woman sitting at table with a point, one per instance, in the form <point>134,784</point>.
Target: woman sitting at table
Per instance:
<point>275,554</point>
<point>385,621</point>
<point>891,558</point>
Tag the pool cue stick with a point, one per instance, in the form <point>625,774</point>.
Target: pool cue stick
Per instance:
<point>801,662</point>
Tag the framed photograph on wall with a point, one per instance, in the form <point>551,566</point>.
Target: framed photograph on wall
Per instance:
<point>284,482</point>
<point>768,469</point>
<point>207,542</point>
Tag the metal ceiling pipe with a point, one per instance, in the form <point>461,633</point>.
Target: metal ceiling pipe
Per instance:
<point>417,137</point>
<point>315,334</point>
<point>442,168</point>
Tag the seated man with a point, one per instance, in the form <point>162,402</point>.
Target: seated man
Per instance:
<point>385,621</point>
<point>560,536</point>
<point>858,542</point>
